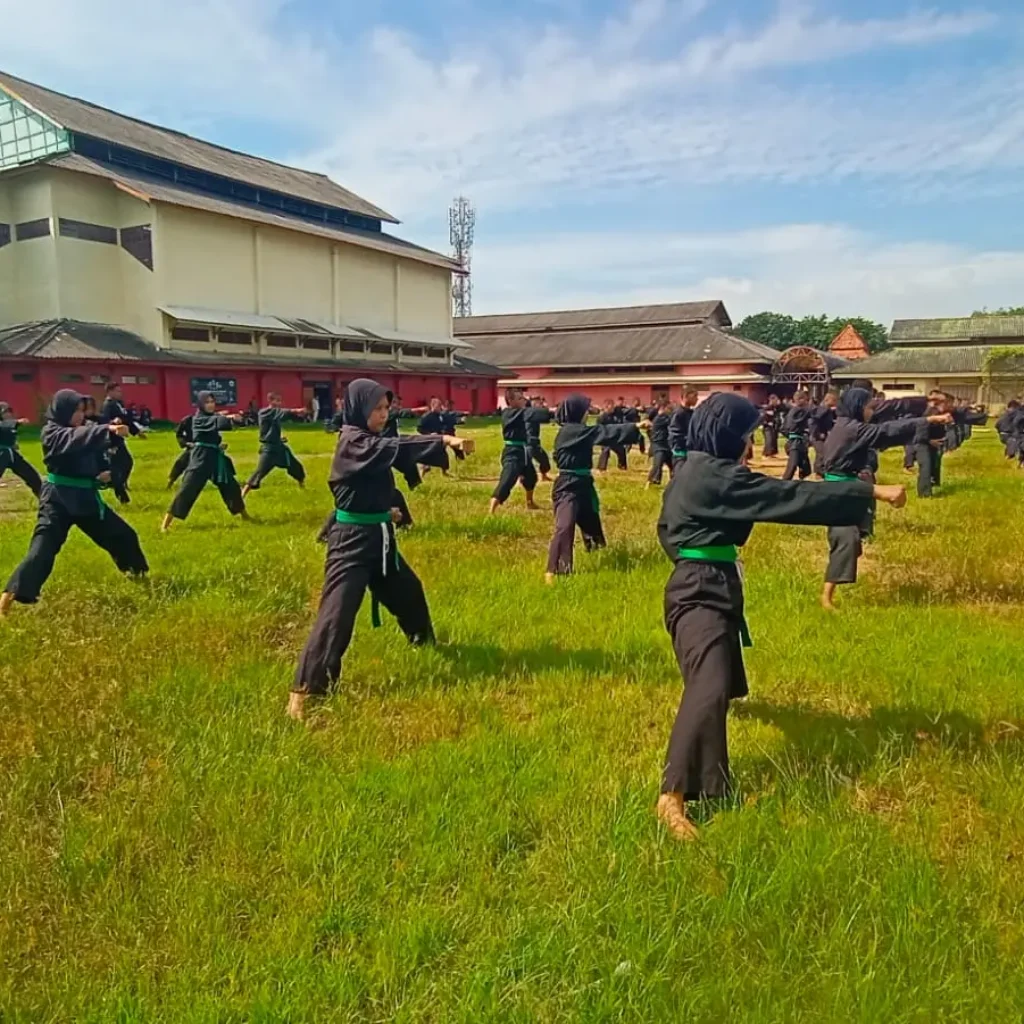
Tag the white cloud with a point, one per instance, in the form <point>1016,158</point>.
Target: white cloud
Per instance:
<point>796,268</point>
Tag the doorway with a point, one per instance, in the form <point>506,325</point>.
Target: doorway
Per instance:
<point>319,396</point>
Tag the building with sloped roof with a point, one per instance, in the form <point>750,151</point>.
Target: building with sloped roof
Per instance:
<point>624,352</point>
<point>969,357</point>
<point>135,253</point>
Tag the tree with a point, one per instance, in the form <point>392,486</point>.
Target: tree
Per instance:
<point>781,331</point>
<point>1005,311</point>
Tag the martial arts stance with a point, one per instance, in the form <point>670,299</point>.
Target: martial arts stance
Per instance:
<point>1007,428</point>
<point>661,449</point>
<point>183,435</point>
<point>929,441</point>
<point>274,450</point>
<point>12,459</point>
<point>796,427</point>
<point>362,551</point>
<point>120,459</point>
<point>708,512</point>
<point>539,415</point>
<point>516,464</point>
<point>847,456</point>
<point>611,416</point>
<point>75,456</point>
<point>822,420</point>
<point>574,495</point>
<point>207,461</point>
<point>771,422</point>
<point>679,428</point>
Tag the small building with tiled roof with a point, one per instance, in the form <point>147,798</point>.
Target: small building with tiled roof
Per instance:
<point>621,352</point>
<point>963,356</point>
<point>134,253</point>
<point>849,345</point>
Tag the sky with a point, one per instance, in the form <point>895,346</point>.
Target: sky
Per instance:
<point>848,157</point>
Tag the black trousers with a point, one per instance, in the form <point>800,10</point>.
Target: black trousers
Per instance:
<point>276,458</point>
<point>620,456</point>
<point>643,444</point>
<point>574,508</point>
<point>929,469</point>
<point>180,465</point>
<point>355,562</point>
<point>844,549</point>
<point>15,462</point>
<point>539,456</point>
<point>661,459</point>
<point>796,449</point>
<point>121,466</point>
<point>819,451</point>
<point>771,442</point>
<point>53,523</point>
<point>196,478</point>
<point>516,467</point>
<point>909,456</point>
<point>677,461</point>
<point>703,613</point>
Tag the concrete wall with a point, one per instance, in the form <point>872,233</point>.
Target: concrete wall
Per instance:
<point>28,269</point>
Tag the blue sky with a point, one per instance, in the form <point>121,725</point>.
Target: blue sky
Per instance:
<point>802,155</point>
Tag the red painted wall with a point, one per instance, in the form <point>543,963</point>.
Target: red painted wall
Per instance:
<point>599,393</point>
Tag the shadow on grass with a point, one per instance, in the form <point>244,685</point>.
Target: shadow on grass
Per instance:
<point>473,661</point>
<point>954,593</point>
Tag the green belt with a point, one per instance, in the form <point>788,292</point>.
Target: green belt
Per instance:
<point>840,477</point>
<point>577,472</point>
<point>368,519</point>
<point>517,444</point>
<point>726,553</point>
<point>678,453</point>
<point>82,483</point>
<point>797,437</point>
<point>223,474</point>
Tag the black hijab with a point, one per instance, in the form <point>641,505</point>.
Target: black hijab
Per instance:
<point>720,426</point>
<point>361,398</point>
<point>853,402</point>
<point>201,397</point>
<point>573,409</point>
<point>64,405</point>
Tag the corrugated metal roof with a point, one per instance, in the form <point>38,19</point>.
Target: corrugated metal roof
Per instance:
<point>226,318</point>
<point>921,360</point>
<point>175,195</point>
<point>676,313</point>
<point>89,119</point>
<point>691,343</point>
<point>967,328</point>
<point>75,339</point>
<point>411,338</point>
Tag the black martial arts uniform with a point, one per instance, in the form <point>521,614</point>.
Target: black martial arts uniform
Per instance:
<point>516,464</point>
<point>362,551</point>
<point>539,416</point>
<point>74,457</point>
<point>120,459</point>
<point>12,459</point>
<point>678,429</point>
<point>796,426</point>
<point>847,456</point>
<point>928,442</point>
<point>708,512</point>
<point>822,421</point>
<point>611,419</point>
<point>1006,428</point>
<point>450,421</point>
<point>274,450</point>
<point>183,435</point>
<point>631,414</point>
<point>661,448</point>
<point>208,462</point>
<point>574,495</point>
<point>771,420</point>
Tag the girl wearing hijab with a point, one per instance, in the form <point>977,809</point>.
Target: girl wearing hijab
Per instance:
<point>574,495</point>
<point>207,461</point>
<point>75,456</point>
<point>708,512</point>
<point>12,459</point>
<point>847,455</point>
<point>361,548</point>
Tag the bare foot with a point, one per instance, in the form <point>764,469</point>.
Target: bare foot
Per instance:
<point>6,600</point>
<point>672,814</point>
<point>297,706</point>
<point>826,597</point>
<point>549,578</point>
<point>166,524</point>
<point>494,506</point>
<point>246,490</point>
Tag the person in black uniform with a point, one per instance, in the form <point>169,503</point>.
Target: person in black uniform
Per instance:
<point>929,440</point>
<point>362,552</point>
<point>771,422</point>
<point>822,420</point>
<point>1006,427</point>
<point>516,464</point>
<point>796,427</point>
<point>120,459</point>
<point>847,456</point>
<point>661,449</point>
<point>540,414</point>
<point>75,456</point>
<point>634,414</point>
<point>183,435</point>
<point>207,462</point>
<point>274,450</point>
<point>679,427</point>
<point>574,495</point>
<point>708,512</point>
<point>12,459</point>
<point>610,417</point>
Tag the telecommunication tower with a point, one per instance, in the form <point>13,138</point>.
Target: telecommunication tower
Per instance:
<point>462,222</point>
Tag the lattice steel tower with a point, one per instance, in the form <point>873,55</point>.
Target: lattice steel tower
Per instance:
<point>462,221</point>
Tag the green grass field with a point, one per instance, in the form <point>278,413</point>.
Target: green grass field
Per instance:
<point>468,834</point>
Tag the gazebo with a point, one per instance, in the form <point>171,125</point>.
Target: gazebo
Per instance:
<point>803,367</point>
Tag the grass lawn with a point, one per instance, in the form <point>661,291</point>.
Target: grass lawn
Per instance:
<point>468,834</point>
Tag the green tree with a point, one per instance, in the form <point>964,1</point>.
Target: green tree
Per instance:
<point>781,331</point>
<point>1004,311</point>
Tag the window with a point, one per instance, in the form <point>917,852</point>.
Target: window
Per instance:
<point>379,348</point>
<point>413,351</point>
<point>98,378</point>
<point>898,387</point>
<point>351,346</point>
<point>32,229</point>
<point>436,353</point>
<point>190,333</point>
<point>71,378</point>
<point>86,232</point>
<point>5,235</point>
<point>234,337</point>
<point>146,380</point>
<point>129,380</point>
<point>26,135</point>
<point>317,344</point>
<point>22,378</point>
<point>281,341</point>
<point>138,241</point>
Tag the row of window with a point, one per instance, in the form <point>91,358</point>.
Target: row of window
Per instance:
<point>136,240</point>
<point>78,378</point>
<point>181,332</point>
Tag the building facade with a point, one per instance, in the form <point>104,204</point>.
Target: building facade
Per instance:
<point>124,243</point>
<point>627,352</point>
